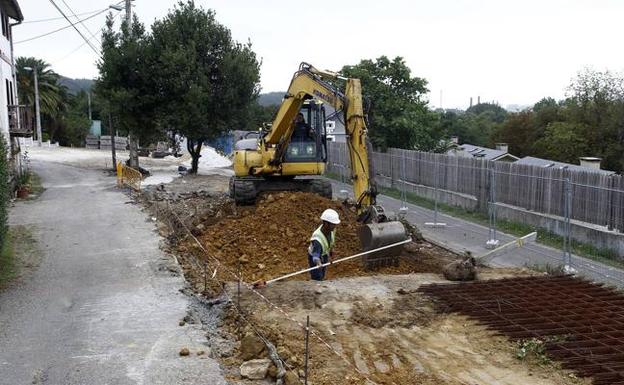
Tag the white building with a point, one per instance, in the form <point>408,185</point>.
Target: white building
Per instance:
<point>10,127</point>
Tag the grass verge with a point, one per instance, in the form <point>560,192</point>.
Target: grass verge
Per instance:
<point>8,269</point>
<point>545,237</point>
<point>19,255</point>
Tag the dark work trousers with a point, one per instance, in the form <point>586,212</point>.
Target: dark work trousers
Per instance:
<point>318,274</point>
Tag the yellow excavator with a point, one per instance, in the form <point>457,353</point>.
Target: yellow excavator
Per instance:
<point>277,160</point>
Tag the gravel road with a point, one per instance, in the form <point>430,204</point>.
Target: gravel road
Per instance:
<point>104,305</point>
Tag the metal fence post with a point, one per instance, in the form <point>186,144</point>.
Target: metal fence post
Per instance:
<point>492,241</point>
<point>403,209</point>
<point>610,199</point>
<point>307,350</point>
<point>567,208</point>
<point>393,177</point>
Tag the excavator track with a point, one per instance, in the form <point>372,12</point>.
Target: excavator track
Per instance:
<point>245,190</point>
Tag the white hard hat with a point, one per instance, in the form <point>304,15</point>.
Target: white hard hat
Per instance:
<point>330,216</point>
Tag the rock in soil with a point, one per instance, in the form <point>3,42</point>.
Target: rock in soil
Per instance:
<point>291,379</point>
<point>251,347</point>
<point>464,270</point>
<point>272,371</point>
<point>184,352</point>
<point>255,369</point>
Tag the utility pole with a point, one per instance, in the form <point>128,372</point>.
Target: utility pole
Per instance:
<point>129,15</point>
<point>89,101</point>
<point>132,141</point>
<point>37,112</point>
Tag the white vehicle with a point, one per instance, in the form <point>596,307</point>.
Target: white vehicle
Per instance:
<point>330,126</point>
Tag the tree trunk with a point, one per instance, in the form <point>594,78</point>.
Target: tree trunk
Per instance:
<point>134,154</point>
<point>113,149</point>
<point>194,148</point>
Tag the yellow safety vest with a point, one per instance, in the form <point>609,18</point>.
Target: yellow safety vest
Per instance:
<point>318,235</point>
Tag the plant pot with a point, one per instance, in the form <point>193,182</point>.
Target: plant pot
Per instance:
<point>23,192</point>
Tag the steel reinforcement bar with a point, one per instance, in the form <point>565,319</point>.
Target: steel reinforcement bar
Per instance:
<point>581,323</point>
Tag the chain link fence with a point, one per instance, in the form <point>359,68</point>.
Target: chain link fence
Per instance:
<point>581,208</point>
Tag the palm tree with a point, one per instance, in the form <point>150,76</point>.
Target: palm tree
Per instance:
<point>53,97</point>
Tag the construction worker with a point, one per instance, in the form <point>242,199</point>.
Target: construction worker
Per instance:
<point>322,242</point>
<point>303,131</point>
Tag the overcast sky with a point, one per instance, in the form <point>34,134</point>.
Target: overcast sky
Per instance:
<point>511,52</point>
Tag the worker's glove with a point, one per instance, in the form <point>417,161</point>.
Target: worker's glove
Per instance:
<point>317,261</point>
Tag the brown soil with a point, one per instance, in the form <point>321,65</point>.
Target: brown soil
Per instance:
<point>381,328</point>
<point>271,240</point>
<point>389,332</point>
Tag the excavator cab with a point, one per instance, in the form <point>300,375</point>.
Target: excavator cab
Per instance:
<point>308,142</point>
<point>300,167</point>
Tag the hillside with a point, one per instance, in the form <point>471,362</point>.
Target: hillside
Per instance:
<point>271,98</point>
<point>76,85</point>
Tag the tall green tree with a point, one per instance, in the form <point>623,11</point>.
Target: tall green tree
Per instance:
<point>563,141</point>
<point>125,83</point>
<point>73,125</point>
<point>258,115</point>
<point>398,114</point>
<point>518,131</point>
<point>596,104</point>
<point>546,111</point>
<point>203,80</point>
<point>589,122</point>
<point>493,112</point>
<point>475,127</point>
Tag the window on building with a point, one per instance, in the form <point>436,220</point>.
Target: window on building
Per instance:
<point>8,95</point>
<point>4,23</point>
<point>12,92</point>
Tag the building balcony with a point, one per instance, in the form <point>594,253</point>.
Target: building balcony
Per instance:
<point>21,120</point>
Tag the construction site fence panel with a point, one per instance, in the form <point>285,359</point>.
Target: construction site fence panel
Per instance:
<point>597,198</point>
<point>128,176</point>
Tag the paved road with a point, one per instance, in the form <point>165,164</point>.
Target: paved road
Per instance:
<point>102,308</point>
<point>460,235</point>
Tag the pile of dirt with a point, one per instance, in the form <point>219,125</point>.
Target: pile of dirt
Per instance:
<point>271,239</point>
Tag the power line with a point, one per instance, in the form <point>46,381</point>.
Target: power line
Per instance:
<point>77,30</point>
<point>79,21</point>
<point>59,29</point>
<point>80,46</point>
<point>57,18</point>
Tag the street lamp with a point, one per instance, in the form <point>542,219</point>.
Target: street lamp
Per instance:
<point>37,112</point>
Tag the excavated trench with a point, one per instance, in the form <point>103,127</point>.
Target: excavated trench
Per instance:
<point>372,324</point>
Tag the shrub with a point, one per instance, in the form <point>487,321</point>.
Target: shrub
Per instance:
<point>4,189</point>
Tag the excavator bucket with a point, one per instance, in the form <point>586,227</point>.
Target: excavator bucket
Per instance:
<point>376,235</point>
